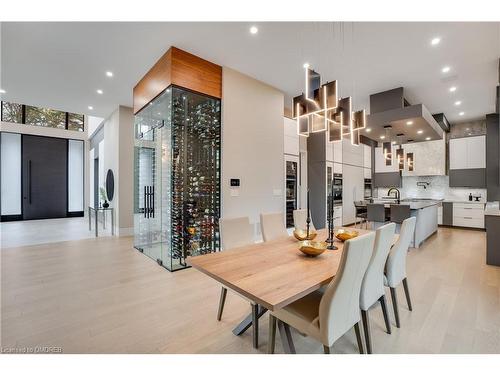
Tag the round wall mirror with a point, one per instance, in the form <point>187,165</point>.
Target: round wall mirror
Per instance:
<point>110,184</point>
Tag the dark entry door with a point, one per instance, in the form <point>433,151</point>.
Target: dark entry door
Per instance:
<point>45,179</point>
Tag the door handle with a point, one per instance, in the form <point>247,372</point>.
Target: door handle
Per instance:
<point>29,181</point>
<point>145,202</point>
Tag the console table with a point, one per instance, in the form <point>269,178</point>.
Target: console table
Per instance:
<point>96,214</point>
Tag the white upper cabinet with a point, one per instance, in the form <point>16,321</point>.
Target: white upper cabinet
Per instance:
<point>468,153</point>
<point>380,166</point>
<point>367,156</point>
<point>291,138</point>
<point>429,158</point>
<point>352,154</point>
<point>337,151</point>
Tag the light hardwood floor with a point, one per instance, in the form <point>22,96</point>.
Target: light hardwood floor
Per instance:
<point>102,296</point>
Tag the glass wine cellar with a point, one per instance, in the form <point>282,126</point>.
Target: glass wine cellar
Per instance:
<point>177,177</point>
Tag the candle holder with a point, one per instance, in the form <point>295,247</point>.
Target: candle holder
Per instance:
<point>331,233</point>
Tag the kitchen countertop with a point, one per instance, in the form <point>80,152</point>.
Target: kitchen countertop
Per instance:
<point>414,204</point>
<point>492,209</point>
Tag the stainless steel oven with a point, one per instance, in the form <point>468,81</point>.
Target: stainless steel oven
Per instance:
<point>368,188</point>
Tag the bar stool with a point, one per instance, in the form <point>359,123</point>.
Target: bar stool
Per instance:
<point>399,213</point>
<point>361,213</point>
<point>375,213</point>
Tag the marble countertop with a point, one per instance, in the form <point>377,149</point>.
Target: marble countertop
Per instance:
<point>414,204</point>
<point>492,209</point>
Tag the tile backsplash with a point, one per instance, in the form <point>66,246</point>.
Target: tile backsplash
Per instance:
<point>438,188</point>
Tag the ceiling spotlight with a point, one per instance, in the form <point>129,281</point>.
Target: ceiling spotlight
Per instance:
<point>458,102</point>
<point>90,107</point>
<point>446,69</point>
<point>461,113</point>
<point>409,122</point>
<point>435,41</point>
<point>2,91</point>
<point>254,30</point>
<point>100,92</point>
<point>306,65</point>
<point>428,138</point>
<point>382,137</point>
<point>109,74</point>
<point>453,89</point>
<point>420,132</point>
<point>393,142</point>
<point>368,130</point>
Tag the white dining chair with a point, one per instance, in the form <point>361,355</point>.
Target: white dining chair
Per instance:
<point>272,226</point>
<point>395,269</point>
<point>300,220</point>
<point>234,232</point>
<point>328,315</point>
<point>372,288</point>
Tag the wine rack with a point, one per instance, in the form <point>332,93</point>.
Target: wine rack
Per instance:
<point>191,143</point>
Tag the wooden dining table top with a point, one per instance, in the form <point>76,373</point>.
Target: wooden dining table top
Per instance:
<point>274,273</point>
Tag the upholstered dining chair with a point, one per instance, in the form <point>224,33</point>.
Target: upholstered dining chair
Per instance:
<point>234,232</point>
<point>272,226</point>
<point>300,218</point>
<point>372,288</point>
<point>328,315</point>
<point>395,268</point>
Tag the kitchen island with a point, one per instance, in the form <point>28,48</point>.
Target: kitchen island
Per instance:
<point>426,213</point>
<point>492,224</point>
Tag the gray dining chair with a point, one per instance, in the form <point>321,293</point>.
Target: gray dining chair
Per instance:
<point>395,269</point>
<point>327,316</point>
<point>234,232</point>
<point>375,214</point>
<point>272,226</point>
<point>361,213</point>
<point>372,288</point>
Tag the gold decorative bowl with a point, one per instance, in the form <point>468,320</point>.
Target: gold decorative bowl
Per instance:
<point>301,235</point>
<point>313,248</point>
<point>344,234</point>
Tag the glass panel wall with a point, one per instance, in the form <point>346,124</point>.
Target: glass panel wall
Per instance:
<point>177,170</point>
<point>45,117</point>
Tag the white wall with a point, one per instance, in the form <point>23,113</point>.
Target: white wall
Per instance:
<point>252,146</point>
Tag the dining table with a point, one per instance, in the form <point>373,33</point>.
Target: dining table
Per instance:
<point>271,274</point>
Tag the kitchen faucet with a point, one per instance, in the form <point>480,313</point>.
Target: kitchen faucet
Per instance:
<point>398,194</point>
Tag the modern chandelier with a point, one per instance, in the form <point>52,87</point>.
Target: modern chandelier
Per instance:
<point>320,109</point>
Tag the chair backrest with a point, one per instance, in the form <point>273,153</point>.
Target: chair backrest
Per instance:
<point>299,219</point>
<point>339,306</point>
<point>235,232</point>
<point>375,212</point>
<point>372,287</point>
<point>272,226</point>
<point>400,212</point>
<point>395,269</point>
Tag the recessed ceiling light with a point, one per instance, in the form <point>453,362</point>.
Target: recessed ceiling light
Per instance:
<point>409,122</point>
<point>428,138</point>
<point>90,107</point>
<point>393,142</point>
<point>461,113</point>
<point>109,74</point>
<point>420,131</point>
<point>306,65</point>
<point>254,30</point>
<point>453,89</point>
<point>458,102</point>
<point>2,91</point>
<point>446,69</point>
<point>382,137</point>
<point>467,129</point>
<point>435,41</point>
<point>368,129</point>
<point>100,92</point>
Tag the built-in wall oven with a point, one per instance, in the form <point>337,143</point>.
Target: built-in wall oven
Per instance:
<point>368,188</point>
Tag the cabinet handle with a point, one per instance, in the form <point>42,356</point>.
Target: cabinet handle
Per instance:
<point>467,217</point>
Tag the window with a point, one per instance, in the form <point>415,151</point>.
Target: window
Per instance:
<point>12,112</point>
<point>30,115</point>
<point>45,117</point>
<point>75,122</point>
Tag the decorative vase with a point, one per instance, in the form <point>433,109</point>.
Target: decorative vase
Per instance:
<point>105,204</point>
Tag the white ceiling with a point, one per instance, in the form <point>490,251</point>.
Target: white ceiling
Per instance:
<point>61,65</point>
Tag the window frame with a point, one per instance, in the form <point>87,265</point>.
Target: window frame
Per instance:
<point>23,117</point>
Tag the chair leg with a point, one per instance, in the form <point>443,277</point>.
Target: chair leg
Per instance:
<point>222,301</point>
<point>366,329</point>
<point>407,293</point>
<point>358,338</point>
<point>395,306</point>
<point>326,349</point>
<point>383,304</point>
<point>255,325</point>
<point>272,334</point>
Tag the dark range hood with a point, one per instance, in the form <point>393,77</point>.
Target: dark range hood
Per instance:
<point>415,122</point>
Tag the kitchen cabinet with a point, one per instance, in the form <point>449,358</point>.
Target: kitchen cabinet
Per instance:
<point>352,154</point>
<point>367,172</point>
<point>291,138</point>
<point>380,166</point>
<point>468,153</point>
<point>337,151</point>
<point>429,158</point>
<point>352,190</point>
<point>469,215</point>
<point>367,156</point>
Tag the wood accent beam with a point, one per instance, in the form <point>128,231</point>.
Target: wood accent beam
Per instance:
<point>180,68</point>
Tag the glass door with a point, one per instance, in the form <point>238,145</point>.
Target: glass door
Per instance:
<point>291,188</point>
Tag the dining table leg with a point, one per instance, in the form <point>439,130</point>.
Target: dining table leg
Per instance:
<point>286,338</point>
<point>246,323</point>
